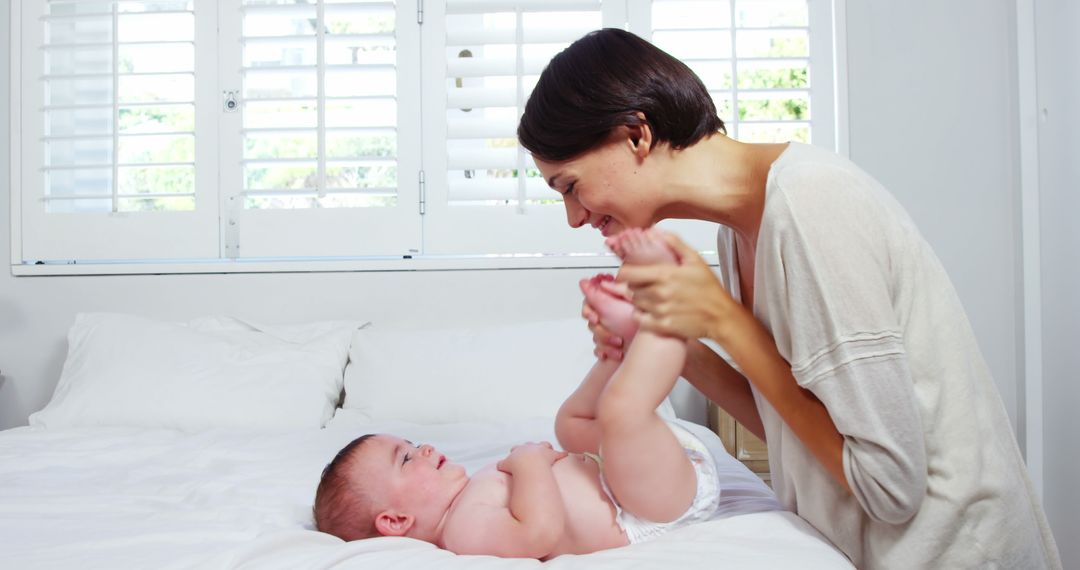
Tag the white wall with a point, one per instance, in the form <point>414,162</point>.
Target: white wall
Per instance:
<point>1059,175</point>
<point>932,116</point>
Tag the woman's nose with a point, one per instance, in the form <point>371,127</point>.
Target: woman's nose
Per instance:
<point>426,450</point>
<point>575,214</point>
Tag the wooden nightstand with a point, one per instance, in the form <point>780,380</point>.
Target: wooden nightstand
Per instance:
<point>740,443</point>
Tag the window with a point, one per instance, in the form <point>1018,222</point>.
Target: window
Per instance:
<point>771,79</point>
<point>109,116</point>
<point>195,131</point>
<point>322,147</point>
<point>477,176</point>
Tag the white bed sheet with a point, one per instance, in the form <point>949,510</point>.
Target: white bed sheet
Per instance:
<point>130,498</point>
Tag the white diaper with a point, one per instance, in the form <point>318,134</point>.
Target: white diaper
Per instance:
<point>703,507</point>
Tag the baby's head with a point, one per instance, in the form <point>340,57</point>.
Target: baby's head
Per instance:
<point>382,485</point>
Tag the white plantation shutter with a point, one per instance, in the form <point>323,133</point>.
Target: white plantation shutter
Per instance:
<point>185,131</point>
<point>771,78</point>
<point>493,52</point>
<point>763,67</point>
<point>484,194</point>
<point>321,155</point>
<point>110,168</point>
<point>493,61</point>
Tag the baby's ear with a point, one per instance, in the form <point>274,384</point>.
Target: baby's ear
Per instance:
<point>392,523</point>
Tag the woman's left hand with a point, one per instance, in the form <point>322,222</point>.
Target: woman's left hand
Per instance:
<point>685,300</point>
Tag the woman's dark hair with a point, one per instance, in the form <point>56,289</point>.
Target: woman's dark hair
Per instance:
<point>600,82</point>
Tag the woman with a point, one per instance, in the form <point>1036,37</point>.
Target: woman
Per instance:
<point>852,354</point>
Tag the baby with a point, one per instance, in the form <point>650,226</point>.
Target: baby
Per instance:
<point>626,474</point>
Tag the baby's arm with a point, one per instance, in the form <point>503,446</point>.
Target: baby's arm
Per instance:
<point>534,521</point>
<point>575,424</point>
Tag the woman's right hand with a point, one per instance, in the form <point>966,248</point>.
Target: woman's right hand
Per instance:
<point>685,300</point>
<point>608,345</point>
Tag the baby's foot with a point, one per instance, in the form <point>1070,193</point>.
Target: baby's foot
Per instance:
<point>642,247</point>
<point>616,313</point>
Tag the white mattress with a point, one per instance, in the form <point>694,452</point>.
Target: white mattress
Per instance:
<point>131,498</point>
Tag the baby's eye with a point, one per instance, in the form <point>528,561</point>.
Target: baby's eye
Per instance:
<point>569,188</point>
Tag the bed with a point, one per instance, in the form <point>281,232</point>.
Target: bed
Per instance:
<point>163,458</point>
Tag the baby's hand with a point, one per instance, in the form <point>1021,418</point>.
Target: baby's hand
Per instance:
<point>530,451</point>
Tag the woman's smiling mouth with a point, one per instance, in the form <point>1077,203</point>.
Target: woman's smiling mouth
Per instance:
<point>602,226</point>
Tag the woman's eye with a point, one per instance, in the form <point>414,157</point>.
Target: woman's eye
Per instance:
<point>569,188</point>
<point>406,460</point>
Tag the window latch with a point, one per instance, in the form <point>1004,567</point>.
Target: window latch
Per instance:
<point>230,101</point>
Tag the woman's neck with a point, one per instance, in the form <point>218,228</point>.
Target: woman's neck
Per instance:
<point>720,180</point>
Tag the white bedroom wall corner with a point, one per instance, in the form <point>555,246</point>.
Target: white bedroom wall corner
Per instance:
<point>1058,120</point>
<point>1030,385</point>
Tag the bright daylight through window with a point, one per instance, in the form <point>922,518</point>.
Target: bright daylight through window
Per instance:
<point>178,132</point>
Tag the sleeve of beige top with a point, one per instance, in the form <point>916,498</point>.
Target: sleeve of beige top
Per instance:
<point>826,287</point>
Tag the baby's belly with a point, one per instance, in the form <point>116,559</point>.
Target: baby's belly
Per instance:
<point>590,516</point>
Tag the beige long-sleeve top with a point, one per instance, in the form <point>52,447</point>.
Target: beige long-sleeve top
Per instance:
<point>866,315</point>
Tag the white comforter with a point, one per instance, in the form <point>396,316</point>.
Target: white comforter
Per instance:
<point>132,498</point>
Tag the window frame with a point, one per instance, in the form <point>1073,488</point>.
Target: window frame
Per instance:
<point>255,234</point>
<point>430,109</point>
<point>15,190</point>
<point>84,233</point>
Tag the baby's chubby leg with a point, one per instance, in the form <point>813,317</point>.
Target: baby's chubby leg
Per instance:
<point>644,464</point>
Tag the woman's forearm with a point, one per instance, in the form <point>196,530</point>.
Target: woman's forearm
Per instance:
<point>753,348</point>
<point>722,384</point>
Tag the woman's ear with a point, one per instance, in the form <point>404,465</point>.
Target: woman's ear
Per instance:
<point>640,136</point>
<point>392,523</point>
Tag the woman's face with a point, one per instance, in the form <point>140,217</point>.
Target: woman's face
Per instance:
<point>606,188</point>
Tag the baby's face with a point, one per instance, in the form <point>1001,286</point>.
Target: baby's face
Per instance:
<point>412,478</point>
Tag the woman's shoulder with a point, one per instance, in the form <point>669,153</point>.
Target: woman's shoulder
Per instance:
<point>815,192</point>
<point>806,180</point>
<point>803,166</point>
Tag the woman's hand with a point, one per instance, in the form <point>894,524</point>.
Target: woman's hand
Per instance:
<point>609,346</point>
<point>685,300</point>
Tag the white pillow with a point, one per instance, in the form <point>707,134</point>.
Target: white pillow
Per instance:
<point>494,373</point>
<point>124,370</point>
